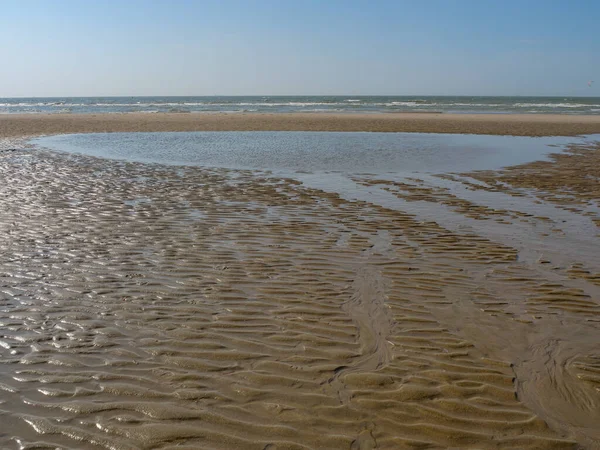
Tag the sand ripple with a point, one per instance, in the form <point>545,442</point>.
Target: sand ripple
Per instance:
<point>147,307</point>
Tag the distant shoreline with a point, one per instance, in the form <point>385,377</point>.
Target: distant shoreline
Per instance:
<point>15,125</point>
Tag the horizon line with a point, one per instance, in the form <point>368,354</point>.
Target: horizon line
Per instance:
<point>299,95</point>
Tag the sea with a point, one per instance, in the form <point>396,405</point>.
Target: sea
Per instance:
<point>277,104</point>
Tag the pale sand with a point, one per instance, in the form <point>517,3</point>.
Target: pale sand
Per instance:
<point>155,307</point>
<point>522,125</point>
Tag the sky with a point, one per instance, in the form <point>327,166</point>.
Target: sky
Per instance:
<point>299,47</point>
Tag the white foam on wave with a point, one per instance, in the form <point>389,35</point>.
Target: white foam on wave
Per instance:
<point>476,104</point>
<point>552,105</point>
<point>302,104</point>
<point>408,103</point>
<point>324,109</point>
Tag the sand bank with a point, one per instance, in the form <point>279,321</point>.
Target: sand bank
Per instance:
<point>513,124</point>
<point>164,307</point>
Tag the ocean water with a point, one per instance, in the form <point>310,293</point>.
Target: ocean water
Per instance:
<point>364,104</point>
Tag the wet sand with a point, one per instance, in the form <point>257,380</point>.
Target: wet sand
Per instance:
<point>150,306</point>
<point>508,124</point>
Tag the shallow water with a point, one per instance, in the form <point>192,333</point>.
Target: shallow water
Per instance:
<point>348,152</point>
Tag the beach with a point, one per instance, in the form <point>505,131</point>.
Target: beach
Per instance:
<point>154,306</point>
<point>504,124</point>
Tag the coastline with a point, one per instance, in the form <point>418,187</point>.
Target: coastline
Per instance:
<point>497,124</point>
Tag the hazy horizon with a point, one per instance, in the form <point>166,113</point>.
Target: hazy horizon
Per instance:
<point>135,48</point>
<point>299,95</point>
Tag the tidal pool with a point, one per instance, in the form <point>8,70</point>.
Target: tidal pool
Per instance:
<point>355,152</point>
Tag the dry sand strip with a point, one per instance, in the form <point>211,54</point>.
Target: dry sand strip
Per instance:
<point>513,124</point>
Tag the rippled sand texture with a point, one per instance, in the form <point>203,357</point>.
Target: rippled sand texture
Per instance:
<point>571,179</point>
<point>154,307</point>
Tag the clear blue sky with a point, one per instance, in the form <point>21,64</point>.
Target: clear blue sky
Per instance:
<point>412,47</point>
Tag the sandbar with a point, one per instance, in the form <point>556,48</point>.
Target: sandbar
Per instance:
<point>502,124</point>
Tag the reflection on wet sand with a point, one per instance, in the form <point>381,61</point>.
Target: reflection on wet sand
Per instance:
<point>149,306</point>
